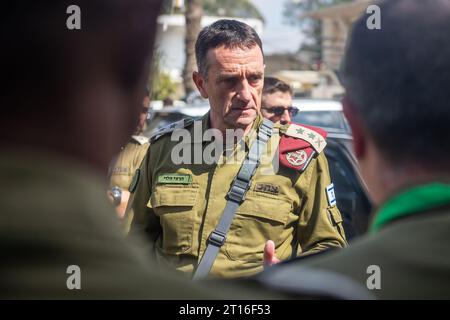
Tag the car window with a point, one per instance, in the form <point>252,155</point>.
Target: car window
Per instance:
<point>324,119</point>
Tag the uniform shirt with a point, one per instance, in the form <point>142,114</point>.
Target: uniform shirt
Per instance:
<point>128,160</point>
<point>54,214</point>
<point>289,208</point>
<point>406,255</point>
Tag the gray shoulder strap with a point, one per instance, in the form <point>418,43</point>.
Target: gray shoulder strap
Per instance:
<point>235,197</point>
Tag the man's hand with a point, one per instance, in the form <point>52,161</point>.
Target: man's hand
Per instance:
<point>121,208</point>
<point>269,254</point>
<point>123,204</point>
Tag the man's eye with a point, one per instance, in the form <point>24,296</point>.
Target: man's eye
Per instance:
<point>254,79</point>
<point>229,81</point>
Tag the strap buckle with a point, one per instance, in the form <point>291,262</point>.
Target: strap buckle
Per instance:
<point>217,238</point>
<point>238,190</point>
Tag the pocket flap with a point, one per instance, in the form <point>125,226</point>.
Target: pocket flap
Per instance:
<point>335,215</point>
<point>265,207</point>
<point>174,196</point>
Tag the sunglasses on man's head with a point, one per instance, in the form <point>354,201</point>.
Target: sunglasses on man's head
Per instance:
<point>278,111</point>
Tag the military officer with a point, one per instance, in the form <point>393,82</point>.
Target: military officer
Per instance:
<point>128,160</point>
<point>178,205</point>
<point>399,113</point>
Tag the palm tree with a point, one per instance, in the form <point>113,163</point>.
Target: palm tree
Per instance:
<point>193,16</point>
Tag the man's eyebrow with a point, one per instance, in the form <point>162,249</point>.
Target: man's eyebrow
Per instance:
<point>230,75</point>
<point>256,73</point>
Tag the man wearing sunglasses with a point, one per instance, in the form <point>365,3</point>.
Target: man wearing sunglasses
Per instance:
<point>277,101</point>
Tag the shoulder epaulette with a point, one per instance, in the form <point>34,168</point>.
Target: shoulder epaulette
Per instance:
<point>299,144</point>
<point>184,123</point>
<point>314,136</point>
<point>140,139</point>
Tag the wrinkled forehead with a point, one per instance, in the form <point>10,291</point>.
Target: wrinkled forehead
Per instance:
<point>234,60</point>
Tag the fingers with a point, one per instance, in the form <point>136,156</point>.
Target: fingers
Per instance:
<point>269,253</point>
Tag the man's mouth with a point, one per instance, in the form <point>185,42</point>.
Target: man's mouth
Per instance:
<point>242,108</point>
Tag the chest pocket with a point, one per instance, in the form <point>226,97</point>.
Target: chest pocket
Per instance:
<point>258,219</point>
<point>173,204</point>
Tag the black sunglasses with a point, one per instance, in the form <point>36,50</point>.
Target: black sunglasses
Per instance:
<point>278,111</point>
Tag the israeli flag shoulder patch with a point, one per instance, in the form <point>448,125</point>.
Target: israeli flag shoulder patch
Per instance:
<point>331,195</point>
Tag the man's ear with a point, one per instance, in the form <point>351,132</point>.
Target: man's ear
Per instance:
<point>200,84</point>
<point>359,136</point>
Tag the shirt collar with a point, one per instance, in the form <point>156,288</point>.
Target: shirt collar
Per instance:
<point>248,139</point>
<point>412,201</point>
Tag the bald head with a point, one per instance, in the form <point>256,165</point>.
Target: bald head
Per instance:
<point>397,80</point>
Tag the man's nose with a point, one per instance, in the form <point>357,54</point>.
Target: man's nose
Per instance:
<point>244,93</point>
<point>285,117</point>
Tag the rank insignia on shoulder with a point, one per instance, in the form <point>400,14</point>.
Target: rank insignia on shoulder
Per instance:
<point>300,144</point>
<point>172,127</point>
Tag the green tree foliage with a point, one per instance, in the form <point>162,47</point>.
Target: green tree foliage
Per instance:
<point>229,8</point>
<point>235,8</point>
<point>311,28</point>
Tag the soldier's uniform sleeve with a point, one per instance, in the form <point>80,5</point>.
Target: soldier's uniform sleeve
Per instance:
<point>320,222</point>
<point>140,155</point>
<point>139,217</point>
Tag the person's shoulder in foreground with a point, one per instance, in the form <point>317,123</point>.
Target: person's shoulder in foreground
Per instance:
<point>398,109</point>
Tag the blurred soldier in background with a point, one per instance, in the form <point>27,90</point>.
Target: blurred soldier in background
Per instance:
<point>128,161</point>
<point>397,104</point>
<point>276,102</point>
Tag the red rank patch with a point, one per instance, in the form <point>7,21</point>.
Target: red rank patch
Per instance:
<point>296,153</point>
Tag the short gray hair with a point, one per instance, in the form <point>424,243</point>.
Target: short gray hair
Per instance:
<point>224,32</point>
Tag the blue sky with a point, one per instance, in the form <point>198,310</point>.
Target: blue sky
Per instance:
<point>277,36</point>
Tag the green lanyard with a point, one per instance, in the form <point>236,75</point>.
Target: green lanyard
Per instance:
<point>412,201</point>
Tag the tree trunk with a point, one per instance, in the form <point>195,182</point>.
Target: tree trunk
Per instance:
<point>193,16</point>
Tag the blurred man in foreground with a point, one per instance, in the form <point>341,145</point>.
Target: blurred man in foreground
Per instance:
<point>397,104</point>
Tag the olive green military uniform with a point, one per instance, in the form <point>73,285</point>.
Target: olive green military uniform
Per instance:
<point>128,161</point>
<point>406,255</point>
<point>288,207</point>
<point>55,214</point>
